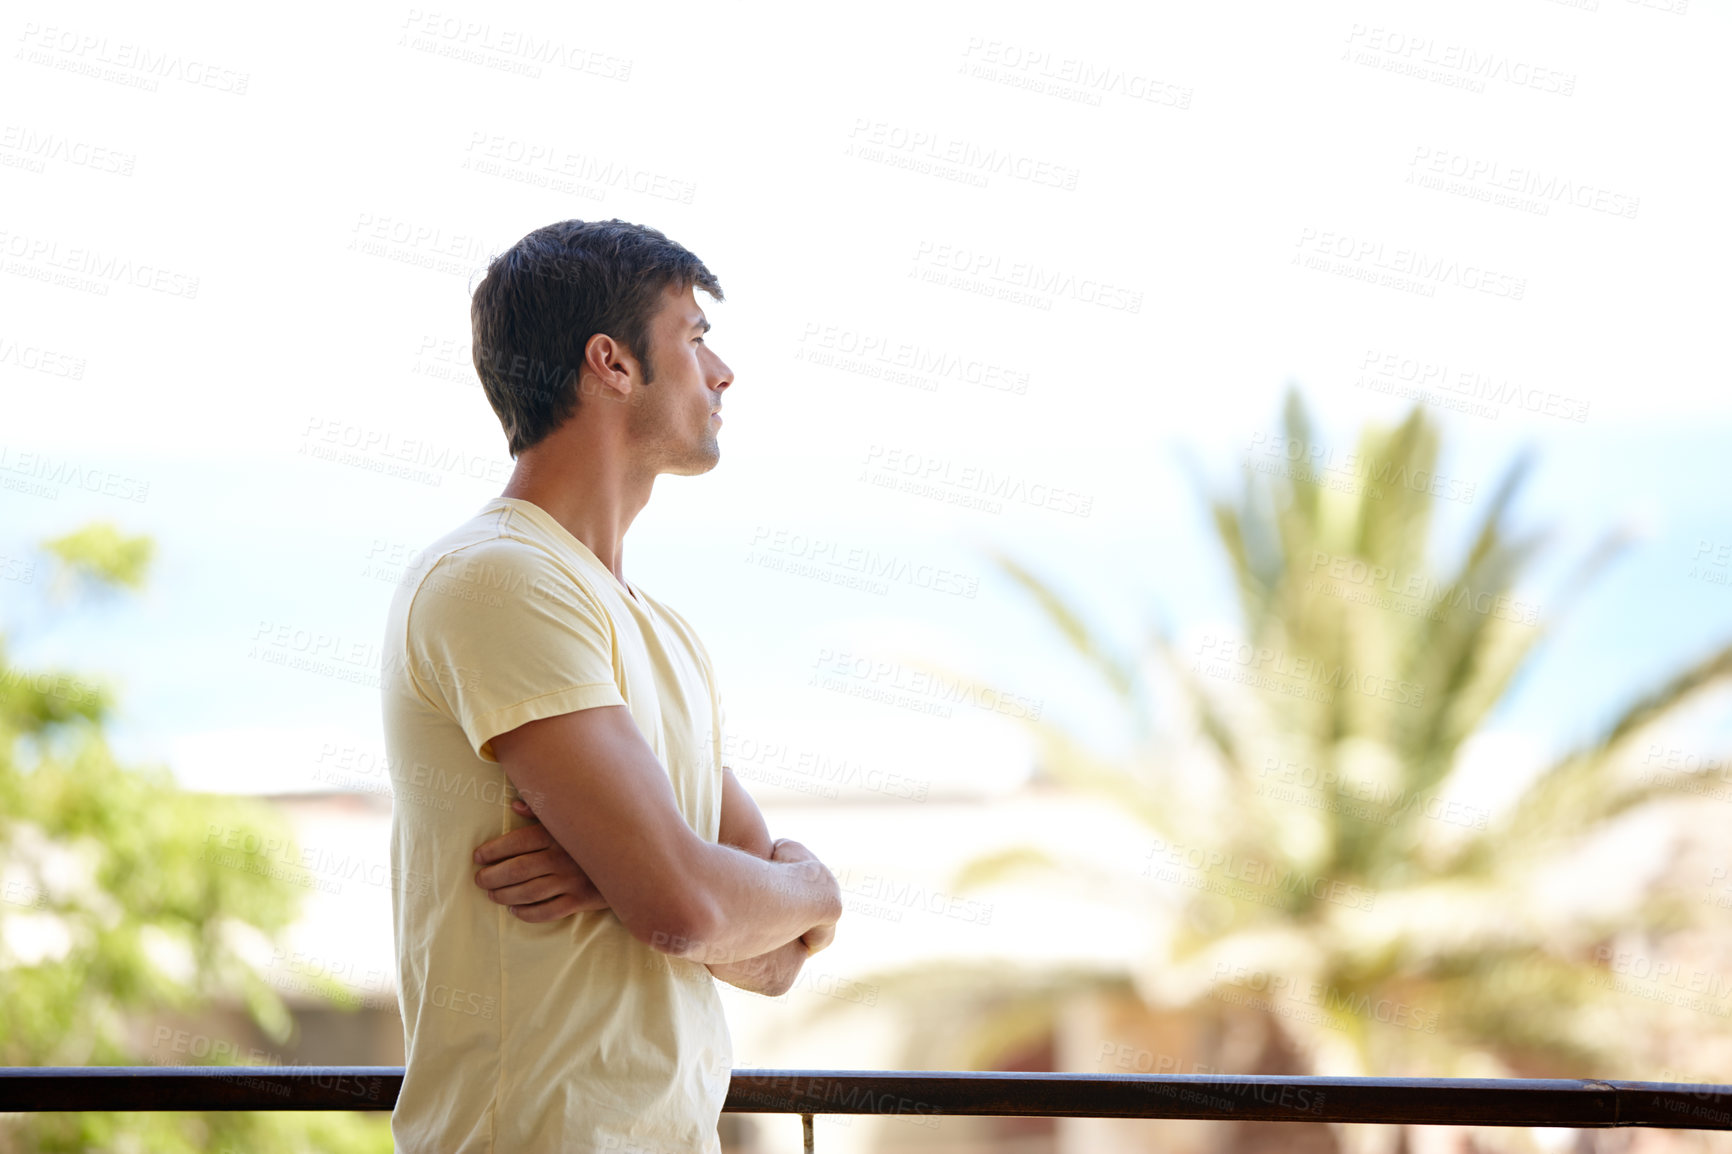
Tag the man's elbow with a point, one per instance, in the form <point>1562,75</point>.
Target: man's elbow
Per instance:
<point>683,929</point>
<point>781,985</point>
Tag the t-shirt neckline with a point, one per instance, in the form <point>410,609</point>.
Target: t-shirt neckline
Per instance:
<point>549,522</point>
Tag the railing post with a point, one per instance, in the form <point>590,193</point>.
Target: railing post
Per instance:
<point>806,1130</point>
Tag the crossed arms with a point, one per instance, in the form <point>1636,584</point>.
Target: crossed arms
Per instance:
<point>610,836</point>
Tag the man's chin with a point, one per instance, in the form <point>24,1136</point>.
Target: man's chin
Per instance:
<point>698,465</point>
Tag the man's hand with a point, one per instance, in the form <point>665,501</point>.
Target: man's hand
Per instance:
<point>530,872</point>
<point>774,973</point>
<point>787,849</point>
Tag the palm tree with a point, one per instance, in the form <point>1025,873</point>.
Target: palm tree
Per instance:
<point>1315,872</point>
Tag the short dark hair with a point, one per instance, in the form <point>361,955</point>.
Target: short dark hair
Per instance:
<point>543,298</point>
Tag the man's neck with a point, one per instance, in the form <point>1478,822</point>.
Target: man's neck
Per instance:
<point>583,491</point>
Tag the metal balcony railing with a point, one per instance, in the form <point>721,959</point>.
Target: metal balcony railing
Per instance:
<point>1588,1103</point>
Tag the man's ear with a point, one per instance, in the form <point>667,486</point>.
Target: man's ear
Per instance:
<point>608,370</point>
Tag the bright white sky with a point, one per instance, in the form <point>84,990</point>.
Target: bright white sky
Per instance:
<point>333,178</point>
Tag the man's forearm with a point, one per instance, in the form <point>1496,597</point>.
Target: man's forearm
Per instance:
<point>754,906</point>
<point>771,974</point>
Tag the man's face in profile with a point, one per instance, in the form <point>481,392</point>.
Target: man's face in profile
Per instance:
<point>671,419</point>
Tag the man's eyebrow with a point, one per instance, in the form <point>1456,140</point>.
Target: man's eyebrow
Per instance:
<point>701,324</point>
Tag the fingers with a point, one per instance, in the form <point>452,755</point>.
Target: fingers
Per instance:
<point>819,937</point>
<point>523,867</point>
<point>786,849</point>
<point>534,890</point>
<point>524,839</point>
<point>553,909</point>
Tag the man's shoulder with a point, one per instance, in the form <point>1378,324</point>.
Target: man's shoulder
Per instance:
<point>496,568</point>
<point>499,559</point>
<point>496,545</point>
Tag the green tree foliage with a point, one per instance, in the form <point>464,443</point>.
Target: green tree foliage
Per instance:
<point>115,909</point>
<point>1311,861</point>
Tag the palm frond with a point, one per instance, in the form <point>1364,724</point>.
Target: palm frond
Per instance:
<point>1576,790</point>
<point>1113,667</point>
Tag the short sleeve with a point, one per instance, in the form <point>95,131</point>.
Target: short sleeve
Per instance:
<point>500,634</point>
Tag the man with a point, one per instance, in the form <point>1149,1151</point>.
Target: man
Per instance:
<point>562,998</point>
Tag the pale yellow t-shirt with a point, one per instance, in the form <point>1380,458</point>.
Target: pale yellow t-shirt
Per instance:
<point>571,1036</point>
